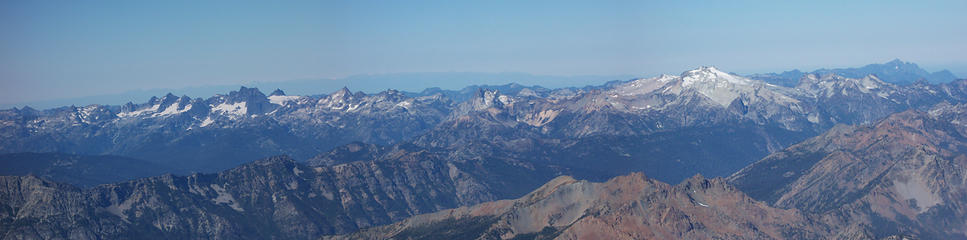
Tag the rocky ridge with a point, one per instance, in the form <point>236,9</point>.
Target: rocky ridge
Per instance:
<point>902,175</point>
<point>626,207</point>
<point>270,198</point>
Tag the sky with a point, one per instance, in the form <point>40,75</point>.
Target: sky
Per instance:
<point>67,49</point>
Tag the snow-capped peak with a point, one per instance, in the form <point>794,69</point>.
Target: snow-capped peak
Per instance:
<point>666,78</point>
<point>708,74</point>
<point>177,107</point>
<point>282,99</point>
<point>342,99</point>
<point>151,109</point>
<point>723,88</point>
<point>235,109</point>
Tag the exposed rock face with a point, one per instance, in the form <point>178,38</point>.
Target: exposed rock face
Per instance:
<point>30,204</point>
<point>902,175</point>
<point>271,198</point>
<point>627,207</point>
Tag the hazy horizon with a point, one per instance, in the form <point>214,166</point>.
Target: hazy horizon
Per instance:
<point>69,50</point>
<point>370,83</point>
<point>411,82</point>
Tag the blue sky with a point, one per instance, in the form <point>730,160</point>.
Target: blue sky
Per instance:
<point>63,49</point>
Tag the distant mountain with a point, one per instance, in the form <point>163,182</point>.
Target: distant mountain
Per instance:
<point>512,89</point>
<point>786,79</point>
<point>626,207</point>
<point>896,72</point>
<point>369,83</point>
<point>904,174</point>
<point>79,170</point>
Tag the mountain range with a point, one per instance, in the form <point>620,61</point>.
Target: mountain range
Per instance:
<point>833,156</point>
<point>207,135</point>
<point>895,71</point>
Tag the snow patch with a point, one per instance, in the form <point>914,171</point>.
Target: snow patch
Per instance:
<point>86,113</point>
<point>883,94</point>
<point>813,118</point>
<point>643,86</point>
<point>453,170</point>
<point>505,100</point>
<point>225,198</point>
<point>281,100</point>
<point>173,109</point>
<point>139,112</point>
<point>118,209</point>
<point>706,75</point>
<point>234,109</point>
<point>206,122</point>
<point>352,107</point>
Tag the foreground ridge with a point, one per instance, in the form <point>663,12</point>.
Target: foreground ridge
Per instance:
<point>626,207</point>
